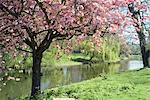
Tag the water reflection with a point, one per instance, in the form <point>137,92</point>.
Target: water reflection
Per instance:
<point>14,89</point>
<point>135,65</point>
<point>67,75</point>
<point>63,76</point>
<point>130,65</point>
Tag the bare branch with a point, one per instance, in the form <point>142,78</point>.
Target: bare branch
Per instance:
<point>23,50</point>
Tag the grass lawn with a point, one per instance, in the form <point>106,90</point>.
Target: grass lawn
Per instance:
<point>65,60</point>
<point>131,85</point>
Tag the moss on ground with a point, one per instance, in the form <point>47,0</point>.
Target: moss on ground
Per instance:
<point>131,85</point>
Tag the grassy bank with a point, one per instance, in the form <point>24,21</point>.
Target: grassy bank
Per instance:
<point>50,60</point>
<point>132,85</point>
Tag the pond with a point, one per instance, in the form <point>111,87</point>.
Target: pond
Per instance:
<point>62,76</point>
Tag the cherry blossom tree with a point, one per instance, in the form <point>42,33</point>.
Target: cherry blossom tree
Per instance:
<point>38,23</point>
<point>138,12</point>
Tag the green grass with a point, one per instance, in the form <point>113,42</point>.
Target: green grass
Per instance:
<point>132,85</point>
<point>65,60</point>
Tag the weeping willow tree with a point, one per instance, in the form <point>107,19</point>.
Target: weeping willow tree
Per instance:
<point>109,50</point>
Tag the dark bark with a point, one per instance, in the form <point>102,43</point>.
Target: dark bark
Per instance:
<point>36,72</point>
<point>37,54</point>
<point>147,54</point>
<point>144,52</point>
<point>145,58</point>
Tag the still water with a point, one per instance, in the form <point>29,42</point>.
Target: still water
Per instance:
<point>66,75</point>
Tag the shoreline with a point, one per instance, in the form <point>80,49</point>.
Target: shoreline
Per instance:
<point>129,85</point>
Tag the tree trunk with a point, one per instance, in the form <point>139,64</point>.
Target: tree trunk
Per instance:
<point>36,71</point>
<point>137,15</point>
<point>144,56</point>
<point>147,54</point>
<point>144,52</point>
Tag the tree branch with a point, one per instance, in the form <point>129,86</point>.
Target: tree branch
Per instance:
<point>46,41</point>
<point>42,31</point>
<point>23,50</point>
<point>31,34</point>
<point>2,29</point>
<point>4,8</point>
<point>43,9</point>
<point>28,42</point>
